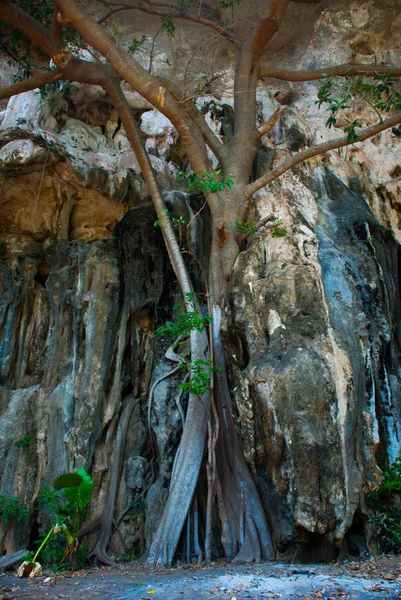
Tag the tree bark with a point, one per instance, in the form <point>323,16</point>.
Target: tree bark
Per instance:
<point>251,539</point>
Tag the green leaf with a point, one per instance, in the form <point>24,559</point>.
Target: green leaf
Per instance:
<point>67,480</point>
<point>77,487</point>
<point>80,496</point>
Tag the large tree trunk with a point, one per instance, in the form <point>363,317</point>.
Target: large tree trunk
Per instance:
<point>247,531</point>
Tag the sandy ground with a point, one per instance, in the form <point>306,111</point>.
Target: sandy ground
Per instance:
<point>378,578</point>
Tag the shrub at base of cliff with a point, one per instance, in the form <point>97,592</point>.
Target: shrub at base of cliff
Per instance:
<point>386,502</point>
<point>66,510</point>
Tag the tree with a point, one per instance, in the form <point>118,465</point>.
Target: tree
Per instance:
<point>229,194</point>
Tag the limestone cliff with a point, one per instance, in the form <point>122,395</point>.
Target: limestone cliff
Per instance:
<point>312,318</point>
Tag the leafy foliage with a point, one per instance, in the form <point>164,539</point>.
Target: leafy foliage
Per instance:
<point>16,44</point>
<point>137,45</point>
<point>24,442</point>
<point>205,182</point>
<point>201,372</point>
<point>168,26</point>
<point>77,487</point>
<point>385,499</point>
<point>65,505</point>
<point>11,508</point>
<point>247,227</point>
<point>278,232</point>
<point>184,324</point>
<point>340,93</point>
<point>50,91</point>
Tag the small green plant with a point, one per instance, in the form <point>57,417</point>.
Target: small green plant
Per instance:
<point>341,93</point>
<point>385,500</point>
<point>66,505</point>
<point>278,232</point>
<point>184,324</point>
<point>158,222</point>
<point>167,25</point>
<point>350,131</point>
<point>24,442</point>
<point>137,45</point>
<point>201,372</point>
<point>205,182</point>
<point>247,227</point>
<point>11,508</point>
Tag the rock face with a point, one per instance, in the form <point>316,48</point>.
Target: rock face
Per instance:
<point>312,313</point>
<point>313,329</point>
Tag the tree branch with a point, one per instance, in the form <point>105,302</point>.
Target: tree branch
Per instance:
<point>14,15</point>
<point>173,12</point>
<point>268,25</point>
<point>208,134</point>
<point>246,78</point>
<point>37,81</point>
<point>253,187</point>
<point>139,79</point>
<point>266,127</point>
<point>312,74</point>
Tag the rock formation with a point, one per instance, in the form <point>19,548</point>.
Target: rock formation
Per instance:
<point>312,318</point>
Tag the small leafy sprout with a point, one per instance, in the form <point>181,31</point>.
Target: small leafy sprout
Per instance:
<point>350,130</point>
<point>205,182</point>
<point>178,222</point>
<point>23,442</point>
<point>158,222</point>
<point>168,26</point>
<point>185,323</point>
<point>11,508</point>
<point>247,227</point>
<point>201,372</point>
<point>277,230</point>
<point>137,45</point>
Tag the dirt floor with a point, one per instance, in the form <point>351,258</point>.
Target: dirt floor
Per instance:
<point>376,578</point>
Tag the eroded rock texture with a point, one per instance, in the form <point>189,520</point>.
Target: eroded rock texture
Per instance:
<point>313,329</point>
<point>312,318</point>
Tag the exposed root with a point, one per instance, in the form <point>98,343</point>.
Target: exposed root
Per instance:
<point>185,471</point>
<point>171,355</point>
<point>243,509</point>
<point>99,552</point>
